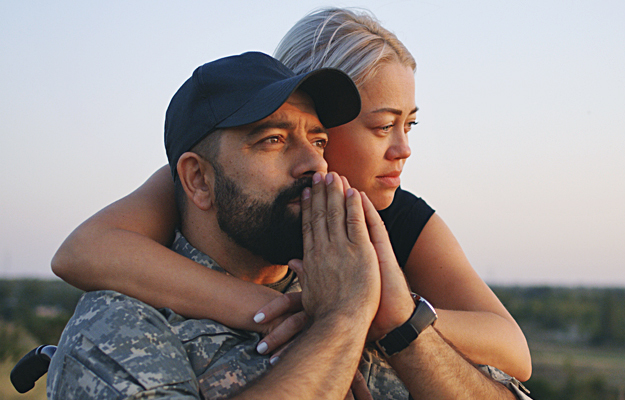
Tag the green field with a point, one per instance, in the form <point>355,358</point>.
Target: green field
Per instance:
<point>576,337</point>
<point>557,361</point>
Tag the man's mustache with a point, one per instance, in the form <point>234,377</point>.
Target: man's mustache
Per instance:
<point>294,191</point>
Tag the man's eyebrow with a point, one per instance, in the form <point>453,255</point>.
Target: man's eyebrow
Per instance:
<point>318,129</point>
<point>284,125</point>
<point>394,111</point>
<point>260,128</point>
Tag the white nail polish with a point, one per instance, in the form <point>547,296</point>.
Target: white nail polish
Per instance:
<point>260,317</point>
<point>274,360</point>
<point>262,347</point>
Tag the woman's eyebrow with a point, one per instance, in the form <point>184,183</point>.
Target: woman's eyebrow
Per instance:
<point>394,111</point>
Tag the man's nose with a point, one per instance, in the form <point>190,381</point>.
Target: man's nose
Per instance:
<point>308,160</point>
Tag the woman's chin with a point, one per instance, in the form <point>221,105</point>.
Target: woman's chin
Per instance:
<point>382,199</point>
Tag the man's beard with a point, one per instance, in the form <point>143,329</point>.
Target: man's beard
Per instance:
<point>269,230</point>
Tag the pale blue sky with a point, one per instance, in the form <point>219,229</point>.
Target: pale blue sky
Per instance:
<point>519,147</point>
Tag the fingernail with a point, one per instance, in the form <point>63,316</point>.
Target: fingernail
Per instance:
<point>316,177</point>
<point>273,360</point>
<point>262,348</point>
<point>329,179</point>
<point>350,192</point>
<point>260,317</point>
<point>306,193</point>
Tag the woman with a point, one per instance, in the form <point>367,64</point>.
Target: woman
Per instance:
<point>123,246</point>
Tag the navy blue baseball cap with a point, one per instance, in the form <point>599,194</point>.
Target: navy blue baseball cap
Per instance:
<point>243,89</point>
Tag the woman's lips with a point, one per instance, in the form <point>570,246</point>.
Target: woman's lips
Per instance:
<point>391,179</point>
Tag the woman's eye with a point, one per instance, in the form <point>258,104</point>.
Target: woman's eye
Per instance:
<point>386,128</point>
<point>410,125</point>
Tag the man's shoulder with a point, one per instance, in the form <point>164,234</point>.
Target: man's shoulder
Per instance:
<point>93,304</point>
<point>119,308</point>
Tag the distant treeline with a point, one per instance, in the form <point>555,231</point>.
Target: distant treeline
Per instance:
<point>33,312</point>
<point>591,315</point>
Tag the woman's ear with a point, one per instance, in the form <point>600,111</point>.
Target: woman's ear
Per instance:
<point>196,178</point>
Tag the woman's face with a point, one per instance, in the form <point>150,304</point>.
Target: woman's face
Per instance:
<point>371,150</point>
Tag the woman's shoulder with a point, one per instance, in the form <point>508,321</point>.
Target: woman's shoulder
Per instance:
<point>405,218</point>
<point>405,203</point>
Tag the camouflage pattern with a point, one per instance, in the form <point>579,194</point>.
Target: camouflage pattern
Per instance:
<point>381,379</point>
<point>511,383</point>
<point>117,347</point>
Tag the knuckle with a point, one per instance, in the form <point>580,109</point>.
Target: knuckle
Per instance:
<point>318,216</point>
<point>334,215</point>
<point>352,219</point>
<point>306,228</point>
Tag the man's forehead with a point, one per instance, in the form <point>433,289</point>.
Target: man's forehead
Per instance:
<point>302,98</point>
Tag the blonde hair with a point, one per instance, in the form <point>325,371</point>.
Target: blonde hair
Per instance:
<point>347,39</point>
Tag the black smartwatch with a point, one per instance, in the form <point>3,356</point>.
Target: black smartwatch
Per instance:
<point>401,337</point>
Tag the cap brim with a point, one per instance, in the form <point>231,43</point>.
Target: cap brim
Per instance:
<point>334,94</point>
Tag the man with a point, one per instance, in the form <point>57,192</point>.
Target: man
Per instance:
<point>244,138</point>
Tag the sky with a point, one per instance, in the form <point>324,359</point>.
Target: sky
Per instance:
<point>519,146</point>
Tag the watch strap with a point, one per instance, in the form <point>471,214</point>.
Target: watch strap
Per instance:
<point>401,337</point>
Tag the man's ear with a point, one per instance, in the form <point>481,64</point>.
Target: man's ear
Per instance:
<point>196,177</point>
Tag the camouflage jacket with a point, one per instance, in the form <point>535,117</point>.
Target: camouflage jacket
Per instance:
<point>116,347</point>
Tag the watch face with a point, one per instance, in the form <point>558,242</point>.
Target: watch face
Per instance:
<point>428,304</point>
<point>420,299</point>
<point>424,315</point>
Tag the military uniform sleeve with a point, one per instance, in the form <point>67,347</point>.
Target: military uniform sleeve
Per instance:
<point>508,381</point>
<point>116,347</point>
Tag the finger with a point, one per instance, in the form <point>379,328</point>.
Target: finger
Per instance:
<point>349,395</point>
<point>335,213</point>
<point>283,333</point>
<point>298,266</point>
<point>287,303</point>
<point>307,233</point>
<point>359,387</point>
<point>377,232</point>
<point>346,185</point>
<point>355,218</point>
<point>275,357</point>
<point>319,208</point>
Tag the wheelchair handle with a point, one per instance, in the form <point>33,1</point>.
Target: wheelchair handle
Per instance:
<point>31,367</point>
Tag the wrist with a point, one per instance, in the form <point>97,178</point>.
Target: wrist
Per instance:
<point>340,328</point>
<point>401,337</point>
<point>343,318</point>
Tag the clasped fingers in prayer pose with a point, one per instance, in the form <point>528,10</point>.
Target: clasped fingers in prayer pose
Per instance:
<point>340,270</point>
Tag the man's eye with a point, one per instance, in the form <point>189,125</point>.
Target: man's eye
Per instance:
<point>321,143</point>
<point>272,140</point>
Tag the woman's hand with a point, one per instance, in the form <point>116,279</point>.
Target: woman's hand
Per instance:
<point>396,304</point>
<point>282,319</point>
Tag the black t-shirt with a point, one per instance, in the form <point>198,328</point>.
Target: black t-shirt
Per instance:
<point>404,220</point>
